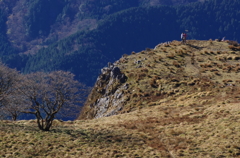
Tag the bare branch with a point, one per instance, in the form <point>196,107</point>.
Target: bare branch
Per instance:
<point>53,94</point>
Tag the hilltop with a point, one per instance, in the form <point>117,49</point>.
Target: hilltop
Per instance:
<point>196,74</point>
<point>172,101</point>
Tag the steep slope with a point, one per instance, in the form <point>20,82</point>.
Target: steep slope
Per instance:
<point>198,74</point>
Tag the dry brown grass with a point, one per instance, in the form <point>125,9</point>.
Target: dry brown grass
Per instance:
<point>183,102</point>
<point>171,55</point>
<point>193,125</point>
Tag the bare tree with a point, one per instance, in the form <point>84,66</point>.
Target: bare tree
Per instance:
<point>14,104</point>
<point>11,103</point>
<point>51,94</point>
<point>9,79</point>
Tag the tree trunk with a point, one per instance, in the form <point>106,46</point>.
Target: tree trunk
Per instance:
<point>48,122</point>
<point>14,117</point>
<point>39,121</point>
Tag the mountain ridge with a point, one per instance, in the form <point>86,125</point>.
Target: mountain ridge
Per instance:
<point>168,72</point>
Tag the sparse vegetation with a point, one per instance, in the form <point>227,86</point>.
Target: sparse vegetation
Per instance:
<point>169,111</point>
<point>189,100</point>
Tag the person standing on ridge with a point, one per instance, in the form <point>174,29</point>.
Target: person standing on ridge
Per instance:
<point>183,37</point>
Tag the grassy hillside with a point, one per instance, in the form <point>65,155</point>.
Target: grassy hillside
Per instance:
<point>183,101</point>
<point>165,130</point>
<point>171,71</point>
<point>160,131</point>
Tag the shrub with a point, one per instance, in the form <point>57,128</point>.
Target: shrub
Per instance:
<point>233,43</point>
<point>130,75</point>
<point>200,60</point>
<point>153,83</point>
<point>148,49</point>
<point>219,66</point>
<point>236,58</point>
<point>206,65</point>
<point>160,58</point>
<point>217,73</point>
<point>235,48</point>
<point>171,55</point>
<point>134,95</point>
<point>140,76</point>
<point>212,52</point>
<point>237,69</point>
<point>151,52</point>
<point>206,52</point>
<point>124,55</point>
<point>166,45</point>
<point>176,64</point>
<point>180,52</point>
<point>213,69</point>
<point>144,70</point>
<point>164,50</point>
<point>227,80</point>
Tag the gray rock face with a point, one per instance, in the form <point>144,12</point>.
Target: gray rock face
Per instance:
<point>111,82</point>
<point>105,70</point>
<point>102,106</point>
<point>115,72</point>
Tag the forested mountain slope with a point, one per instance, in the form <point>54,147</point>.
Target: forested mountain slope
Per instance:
<point>82,36</point>
<point>30,24</point>
<point>135,29</point>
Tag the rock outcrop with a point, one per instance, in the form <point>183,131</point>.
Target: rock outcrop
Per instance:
<point>110,88</point>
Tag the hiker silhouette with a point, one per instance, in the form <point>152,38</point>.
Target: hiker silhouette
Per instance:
<point>183,37</point>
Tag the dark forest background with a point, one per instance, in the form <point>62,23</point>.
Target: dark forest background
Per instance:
<point>83,36</point>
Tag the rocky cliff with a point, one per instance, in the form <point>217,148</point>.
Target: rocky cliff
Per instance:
<point>208,71</point>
